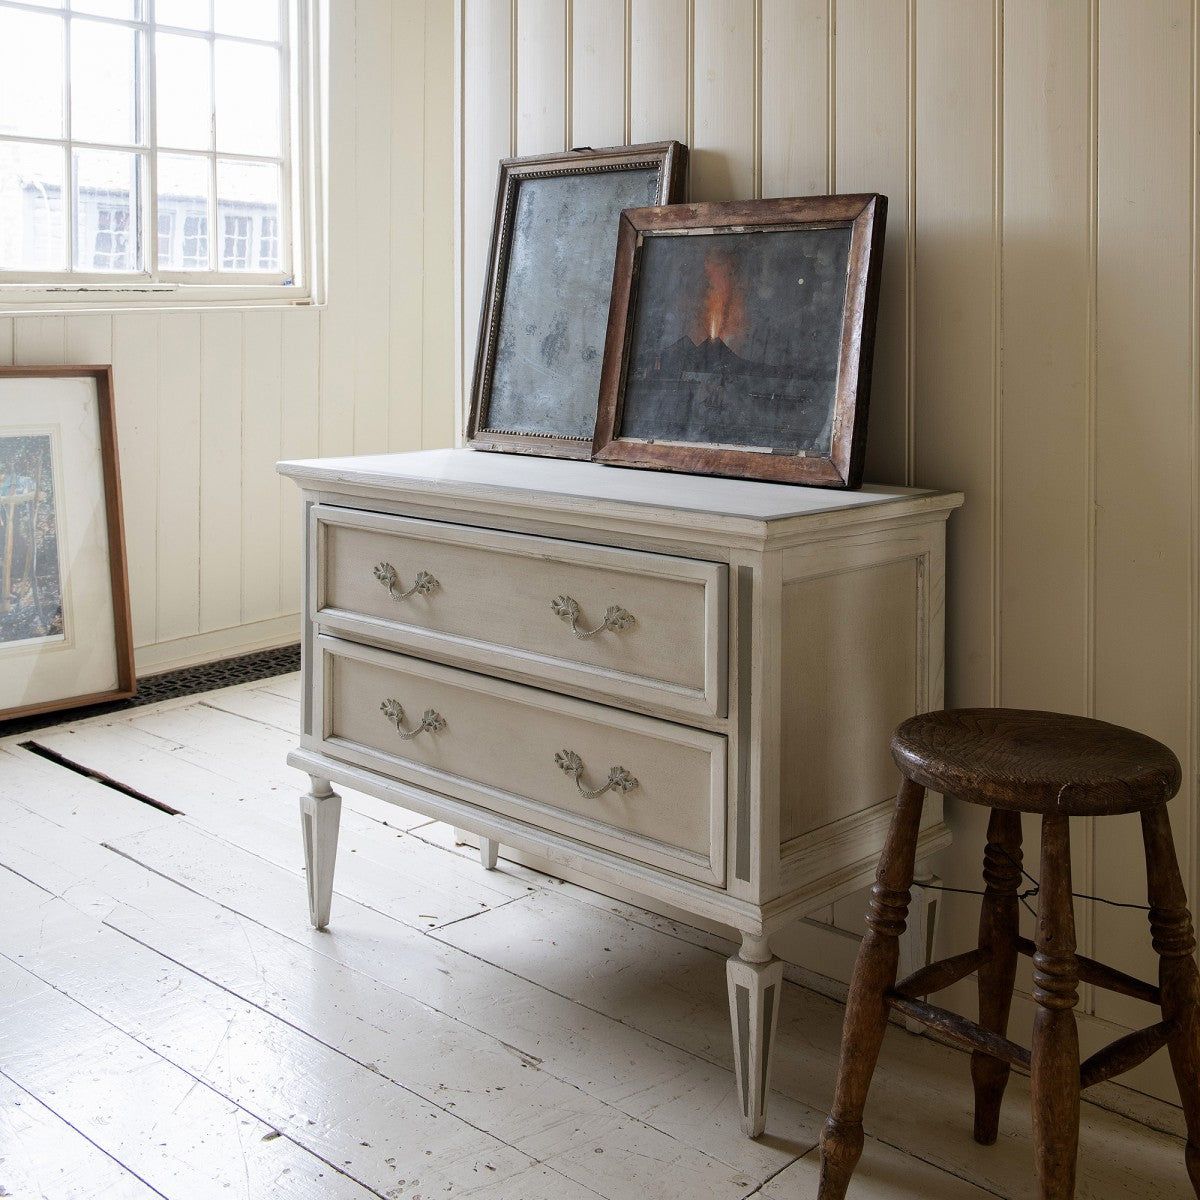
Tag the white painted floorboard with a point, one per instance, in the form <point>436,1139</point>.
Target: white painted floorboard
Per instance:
<point>171,1025</point>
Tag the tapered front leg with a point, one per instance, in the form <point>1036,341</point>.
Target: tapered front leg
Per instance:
<point>755,979</point>
<point>1178,977</point>
<point>867,1006</point>
<point>1055,1067</point>
<point>320,814</point>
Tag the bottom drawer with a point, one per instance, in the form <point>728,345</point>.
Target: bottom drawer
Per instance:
<point>645,789</point>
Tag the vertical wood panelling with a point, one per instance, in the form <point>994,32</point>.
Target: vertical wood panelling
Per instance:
<point>39,341</point>
<point>6,340</point>
<point>872,72</point>
<point>262,399</point>
<point>955,396</point>
<point>220,470</point>
<point>660,71</point>
<point>438,412</point>
<point>955,248</point>
<point>795,97</point>
<point>136,385</point>
<point>406,293</point>
<point>541,76</point>
<point>300,436</point>
<point>1143,410</point>
<point>598,44</point>
<point>1047,273</point>
<point>373,222</point>
<point>89,339</point>
<point>338,321</point>
<point>487,124</point>
<point>179,476</point>
<point>725,75</point>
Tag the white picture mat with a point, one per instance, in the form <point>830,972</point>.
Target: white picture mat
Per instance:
<point>84,660</point>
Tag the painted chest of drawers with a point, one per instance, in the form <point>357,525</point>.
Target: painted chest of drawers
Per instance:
<point>680,685</point>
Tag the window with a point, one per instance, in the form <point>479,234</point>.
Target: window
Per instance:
<point>131,128</point>
<point>236,255</point>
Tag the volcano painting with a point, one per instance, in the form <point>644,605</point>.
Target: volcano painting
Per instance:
<point>737,340</point>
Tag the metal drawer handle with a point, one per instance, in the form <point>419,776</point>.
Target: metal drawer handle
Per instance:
<point>431,722</point>
<point>619,779</point>
<point>615,617</point>
<point>423,585</point>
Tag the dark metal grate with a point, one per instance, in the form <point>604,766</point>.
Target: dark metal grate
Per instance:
<point>206,677</point>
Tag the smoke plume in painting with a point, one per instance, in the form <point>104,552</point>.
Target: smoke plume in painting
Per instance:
<point>30,585</point>
<point>737,339</point>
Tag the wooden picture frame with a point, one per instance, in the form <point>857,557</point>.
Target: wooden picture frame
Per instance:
<point>75,519</point>
<point>546,298</point>
<point>788,402</point>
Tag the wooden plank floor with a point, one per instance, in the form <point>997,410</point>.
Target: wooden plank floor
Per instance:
<point>170,1025</point>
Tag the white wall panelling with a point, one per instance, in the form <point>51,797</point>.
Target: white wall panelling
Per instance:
<point>208,400</point>
<point>1037,339</point>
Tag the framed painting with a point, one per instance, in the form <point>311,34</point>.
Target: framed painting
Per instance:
<point>546,298</point>
<point>65,636</point>
<point>740,339</point>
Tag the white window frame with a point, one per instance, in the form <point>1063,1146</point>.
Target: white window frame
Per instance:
<point>300,209</point>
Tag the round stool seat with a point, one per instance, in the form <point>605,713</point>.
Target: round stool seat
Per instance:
<point>1036,762</point>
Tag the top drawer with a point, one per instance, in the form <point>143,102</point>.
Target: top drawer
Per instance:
<point>620,623</point>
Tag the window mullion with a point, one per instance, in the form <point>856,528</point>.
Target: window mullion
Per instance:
<point>149,137</point>
<point>69,206</point>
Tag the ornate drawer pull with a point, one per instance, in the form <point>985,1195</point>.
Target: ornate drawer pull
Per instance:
<point>615,617</point>
<point>422,586</point>
<point>619,779</point>
<point>431,721</point>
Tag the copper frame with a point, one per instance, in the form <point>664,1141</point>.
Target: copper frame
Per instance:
<point>865,216</point>
<point>670,158</point>
<point>115,524</point>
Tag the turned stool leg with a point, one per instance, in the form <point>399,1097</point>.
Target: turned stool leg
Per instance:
<point>999,929</point>
<point>867,1007</point>
<point>1055,1083</point>
<point>1179,980</point>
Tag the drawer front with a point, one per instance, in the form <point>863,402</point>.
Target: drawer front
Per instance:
<point>530,754</point>
<point>654,623</point>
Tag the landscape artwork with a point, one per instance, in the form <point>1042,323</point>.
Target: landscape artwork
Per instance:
<point>737,340</point>
<point>31,607</point>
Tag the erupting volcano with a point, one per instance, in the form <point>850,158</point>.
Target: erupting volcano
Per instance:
<point>722,312</point>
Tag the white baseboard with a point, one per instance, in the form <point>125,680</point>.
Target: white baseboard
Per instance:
<point>217,643</point>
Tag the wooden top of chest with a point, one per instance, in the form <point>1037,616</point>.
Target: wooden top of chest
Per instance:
<point>467,477</point>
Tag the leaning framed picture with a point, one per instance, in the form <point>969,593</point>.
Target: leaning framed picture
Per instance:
<point>546,296</point>
<point>65,637</point>
<point>740,339</point>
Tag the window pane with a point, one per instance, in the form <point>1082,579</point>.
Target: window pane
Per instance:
<point>107,211</point>
<point>184,86</point>
<point>247,98</point>
<point>184,14</point>
<point>184,184</point>
<point>102,82</point>
<point>31,74</point>
<point>248,18</point>
<point>127,10</point>
<point>247,216</point>
<point>33,229</point>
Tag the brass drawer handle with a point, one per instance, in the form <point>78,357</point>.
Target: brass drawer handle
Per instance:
<point>615,617</point>
<point>431,722</point>
<point>619,779</point>
<point>422,586</point>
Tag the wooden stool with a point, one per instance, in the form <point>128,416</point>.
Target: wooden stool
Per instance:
<point>1057,767</point>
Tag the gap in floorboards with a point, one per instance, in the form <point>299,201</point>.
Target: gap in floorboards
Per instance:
<point>107,781</point>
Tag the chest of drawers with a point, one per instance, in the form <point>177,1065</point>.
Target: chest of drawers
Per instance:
<point>680,685</point>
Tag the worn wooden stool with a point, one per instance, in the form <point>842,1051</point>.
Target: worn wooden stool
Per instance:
<point>1057,767</point>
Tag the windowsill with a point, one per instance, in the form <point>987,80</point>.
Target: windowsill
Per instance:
<point>16,300</point>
